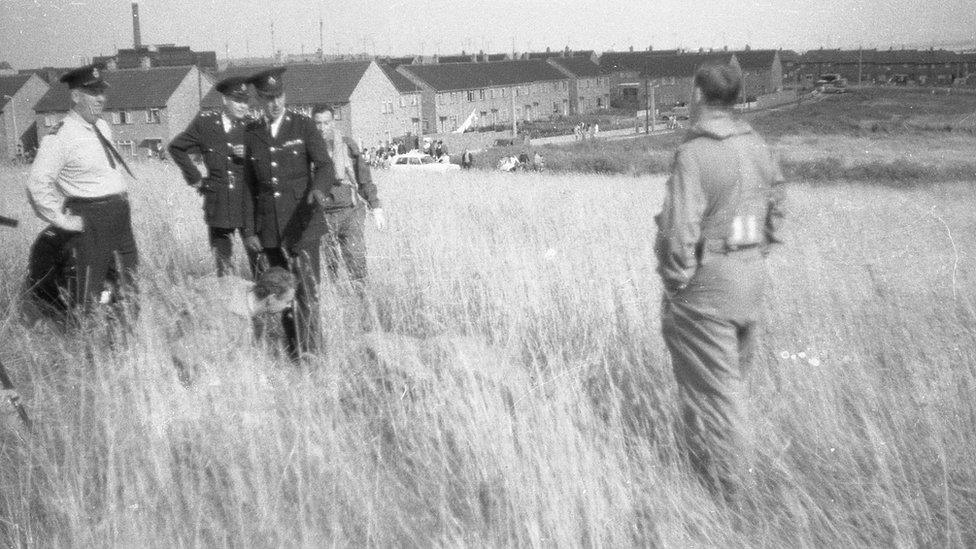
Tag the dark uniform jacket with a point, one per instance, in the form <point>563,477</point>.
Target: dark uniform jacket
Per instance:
<point>225,203</point>
<point>341,194</point>
<point>279,174</point>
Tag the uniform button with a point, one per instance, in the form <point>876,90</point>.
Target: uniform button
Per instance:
<point>230,144</point>
<point>274,164</point>
<point>274,179</point>
<point>231,186</point>
<point>277,194</point>
<point>272,149</point>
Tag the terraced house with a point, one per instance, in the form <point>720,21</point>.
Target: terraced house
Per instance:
<point>370,103</point>
<point>145,107</point>
<point>485,94</point>
<point>18,95</point>
<point>589,88</point>
<point>900,67</point>
<point>671,74</point>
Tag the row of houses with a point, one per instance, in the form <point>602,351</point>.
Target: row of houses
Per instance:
<point>378,99</point>
<point>375,100</point>
<point>873,66</point>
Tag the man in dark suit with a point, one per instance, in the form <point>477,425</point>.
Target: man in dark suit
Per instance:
<point>219,139</point>
<point>289,175</point>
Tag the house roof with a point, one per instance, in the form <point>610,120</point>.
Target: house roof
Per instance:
<point>881,57</point>
<point>10,85</point>
<point>130,89</point>
<point>465,76</point>
<point>558,53</point>
<point>653,64</point>
<point>310,84</point>
<point>579,66</point>
<point>400,82</point>
<point>755,59</point>
<point>463,58</point>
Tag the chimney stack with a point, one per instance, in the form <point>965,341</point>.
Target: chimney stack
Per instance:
<point>135,25</point>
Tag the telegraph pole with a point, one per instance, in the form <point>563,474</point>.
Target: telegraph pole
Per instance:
<point>653,113</point>
<point>647,98</point>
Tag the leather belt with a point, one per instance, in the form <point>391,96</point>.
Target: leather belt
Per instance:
<point>97,199</point>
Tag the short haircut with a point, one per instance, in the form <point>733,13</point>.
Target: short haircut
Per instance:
<point>720,84</point>
<point>321,108</point>
<point>274,281</point>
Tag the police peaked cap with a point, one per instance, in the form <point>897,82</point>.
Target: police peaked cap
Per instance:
<point>88,77</point>
<point>234,87</point>
<point>269,83</point>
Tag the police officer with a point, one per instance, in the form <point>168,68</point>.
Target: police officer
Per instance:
<point>77,184</point>
<point>289,174</point>
<point>345,212</point>
<point>722,209</point>
<point>219,138</point>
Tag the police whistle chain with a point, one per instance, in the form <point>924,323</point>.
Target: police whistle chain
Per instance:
<point>14,397</point>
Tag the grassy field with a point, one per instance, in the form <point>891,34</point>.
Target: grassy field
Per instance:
<point>889,136</point>
<point>518,392</point>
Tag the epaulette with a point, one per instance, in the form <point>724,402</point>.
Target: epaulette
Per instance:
<point>56,128</point>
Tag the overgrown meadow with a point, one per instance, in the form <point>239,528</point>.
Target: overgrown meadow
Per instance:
<point>516,391</point>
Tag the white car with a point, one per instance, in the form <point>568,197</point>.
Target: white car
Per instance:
<point>418,161</point>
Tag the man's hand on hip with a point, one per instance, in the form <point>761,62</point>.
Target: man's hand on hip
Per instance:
<point>253,243</point>
<point>318,197</point>
<point>72,223</point>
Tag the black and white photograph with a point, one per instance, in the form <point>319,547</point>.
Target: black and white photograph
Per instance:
<point>524,273</point>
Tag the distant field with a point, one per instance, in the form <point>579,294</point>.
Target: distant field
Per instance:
<point>887,136</point>
<point>518,392</point>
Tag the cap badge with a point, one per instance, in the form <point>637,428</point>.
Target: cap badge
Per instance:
<point>94,73</point>
<point>272,81</point>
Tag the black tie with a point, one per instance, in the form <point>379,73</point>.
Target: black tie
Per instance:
<point>110,151</point>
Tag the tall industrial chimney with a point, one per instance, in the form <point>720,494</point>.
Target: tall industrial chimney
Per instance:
<point>135,25</point>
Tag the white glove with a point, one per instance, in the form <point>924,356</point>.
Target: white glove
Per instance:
<point>379,219</point>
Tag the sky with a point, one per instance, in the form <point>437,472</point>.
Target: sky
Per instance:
<point>36,33</point>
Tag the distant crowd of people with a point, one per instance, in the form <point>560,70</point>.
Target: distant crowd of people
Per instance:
<point>381,155</point>
<point>522,162</point>
<point>583,131</point>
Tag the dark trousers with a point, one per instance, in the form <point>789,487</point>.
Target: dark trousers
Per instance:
<point>222,244</point>
<point>344,243</point>
<point>105,251</point>
<point>301,323</point>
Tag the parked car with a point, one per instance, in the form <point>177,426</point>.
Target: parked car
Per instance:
<point>418,161</point>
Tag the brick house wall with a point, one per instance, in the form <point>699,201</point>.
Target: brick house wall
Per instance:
<point>592,94</point>
<point>18,118</point>
<point>494,105</point>
<point>379,111</point>
<point>141,126</point>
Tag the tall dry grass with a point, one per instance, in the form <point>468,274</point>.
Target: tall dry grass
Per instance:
<point>518,392</point>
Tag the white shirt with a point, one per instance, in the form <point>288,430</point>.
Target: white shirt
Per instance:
<point>276,124</point>
<point>228,123</point>
<point>71,162</point>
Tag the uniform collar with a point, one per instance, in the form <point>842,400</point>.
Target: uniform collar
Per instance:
<point>73,114</point>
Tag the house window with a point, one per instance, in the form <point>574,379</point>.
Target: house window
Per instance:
<point>50,120</point>
<point>518,92</point>
<point>337,114</point>
<point>403,102</point>
<point>152,116</point>
<point>599,102</point>
<point>470,96</point>
<point>555,107</point>
<point>126,146</point>
<point>116,118</point>
<point>481,95</point>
